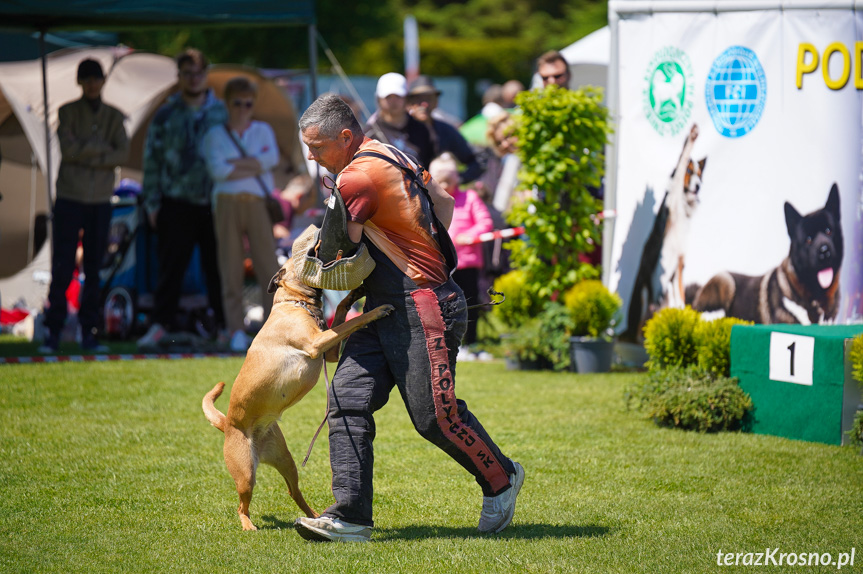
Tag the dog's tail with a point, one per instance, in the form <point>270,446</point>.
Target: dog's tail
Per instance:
<point>214,415</point>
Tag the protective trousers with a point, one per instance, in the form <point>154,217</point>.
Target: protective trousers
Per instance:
<point>413,348</point>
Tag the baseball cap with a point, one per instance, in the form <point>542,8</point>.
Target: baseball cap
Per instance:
<point>90,69</point>
<point>391,83</point>
<point>423,85</point>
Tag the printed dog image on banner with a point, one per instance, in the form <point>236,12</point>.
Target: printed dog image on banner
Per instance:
<point>803,289</point>
<point>659,282</point>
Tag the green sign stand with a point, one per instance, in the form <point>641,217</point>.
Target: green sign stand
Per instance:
<point>799,379</point>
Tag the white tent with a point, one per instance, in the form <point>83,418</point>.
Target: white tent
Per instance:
<point>588,60</point>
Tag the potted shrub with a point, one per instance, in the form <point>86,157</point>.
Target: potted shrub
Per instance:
<point>592,312</point>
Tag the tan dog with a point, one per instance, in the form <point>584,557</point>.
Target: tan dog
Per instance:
<point>282,365</point>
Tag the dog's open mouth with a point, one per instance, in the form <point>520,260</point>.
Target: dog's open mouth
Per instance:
<point>825,277</point>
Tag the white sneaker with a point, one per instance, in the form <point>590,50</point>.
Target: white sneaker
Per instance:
<point>465,355</point>
<point>240,342</point>
<point>497,511</point>
<point>332,530</point>
<point>153,337</point>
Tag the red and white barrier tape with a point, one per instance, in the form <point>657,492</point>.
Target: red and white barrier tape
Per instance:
<point>498,234</point>
<point>516,231</point>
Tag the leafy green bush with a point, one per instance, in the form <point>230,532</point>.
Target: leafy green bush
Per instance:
<point>857,358</point>
<point>554,322</point>
<point>669,338</point>
<point>856,432</point>
<point>520,304</point>
<point>713,344</point>
<point>690,398</point>
<point>592,308</point>
<point>524,344</point>
<point>542,339</point>
<point>561,142</point>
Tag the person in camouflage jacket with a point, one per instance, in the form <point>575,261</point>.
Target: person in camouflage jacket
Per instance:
<point>177,192</point>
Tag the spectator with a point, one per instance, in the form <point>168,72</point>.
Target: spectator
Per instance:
<point>509,91</point>
<point>474,129</point>
<point>177,192</point>
<point>392,123</point>
<point>501,176</point>
<point>553,69</point>
<point>240,156</point>
<point>470,218</point>
<point>422,102</point>
<point>93,142</point>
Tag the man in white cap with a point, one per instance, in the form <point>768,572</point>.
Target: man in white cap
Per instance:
<point>391,123</point>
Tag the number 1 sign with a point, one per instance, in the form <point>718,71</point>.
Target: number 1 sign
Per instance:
<point>791,358</point>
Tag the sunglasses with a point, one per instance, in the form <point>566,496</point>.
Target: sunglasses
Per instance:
<point>243,104</point>
<point>553,77</point>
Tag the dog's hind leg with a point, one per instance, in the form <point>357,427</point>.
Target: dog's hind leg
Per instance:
<point>274,452</point>
<point>241,464</point>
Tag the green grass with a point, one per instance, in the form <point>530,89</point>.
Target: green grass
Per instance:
<point>113,468</point>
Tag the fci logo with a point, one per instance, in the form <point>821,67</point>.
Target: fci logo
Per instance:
<point>669,91</point>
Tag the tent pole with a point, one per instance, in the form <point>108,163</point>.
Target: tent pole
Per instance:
<point>49,184</point>
<point>313,87</point>
<point>313,61</point>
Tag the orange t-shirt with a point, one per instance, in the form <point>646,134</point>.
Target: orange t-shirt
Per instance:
<point>378,195</point>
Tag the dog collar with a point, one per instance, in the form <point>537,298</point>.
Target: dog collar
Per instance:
<point>316,312</point>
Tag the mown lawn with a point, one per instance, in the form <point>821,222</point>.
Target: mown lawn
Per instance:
<point>112,468</point>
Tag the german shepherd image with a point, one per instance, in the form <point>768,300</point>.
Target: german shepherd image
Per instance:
<point>659,282</point>
<point>803,289</point>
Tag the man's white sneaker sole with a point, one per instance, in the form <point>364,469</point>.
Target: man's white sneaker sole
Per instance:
<point>331,530</point>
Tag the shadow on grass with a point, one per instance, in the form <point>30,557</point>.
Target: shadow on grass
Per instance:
<point>270,522</point>
<point>518,531</point>
<point>415,532</point>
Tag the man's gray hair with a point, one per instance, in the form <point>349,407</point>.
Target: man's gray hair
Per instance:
<point>330,114</point>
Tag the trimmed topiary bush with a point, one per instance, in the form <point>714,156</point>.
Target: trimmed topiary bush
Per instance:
<point>713,344</point>
<point>692,399</point>
<point>669,338</point>
<point>520,304</point>
<point>856,432</point>
<point>592,308</point>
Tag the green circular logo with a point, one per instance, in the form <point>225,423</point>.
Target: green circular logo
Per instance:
<point>668,91</point>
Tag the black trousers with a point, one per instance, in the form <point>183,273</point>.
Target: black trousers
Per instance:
<point>180,226</point>
<point>70,218</point>
<point>413,348</point>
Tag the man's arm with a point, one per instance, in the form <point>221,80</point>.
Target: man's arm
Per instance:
<point>444,203</point>
<point>119,143</point>
<point>75,148</point>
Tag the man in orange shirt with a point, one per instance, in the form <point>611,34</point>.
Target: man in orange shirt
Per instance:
<point>402,222</point>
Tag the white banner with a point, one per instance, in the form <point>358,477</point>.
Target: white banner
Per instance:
<point>758,116</point>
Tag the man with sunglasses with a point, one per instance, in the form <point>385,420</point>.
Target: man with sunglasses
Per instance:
<point>177,191</point>
<point>553,69</point>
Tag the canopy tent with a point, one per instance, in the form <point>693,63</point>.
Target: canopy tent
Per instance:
<point>118,14</point>
<point>52,15</point>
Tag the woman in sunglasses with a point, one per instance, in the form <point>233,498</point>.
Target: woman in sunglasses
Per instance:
<point>240,156</point>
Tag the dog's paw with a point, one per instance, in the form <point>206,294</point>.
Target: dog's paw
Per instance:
<point>382,311</point>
